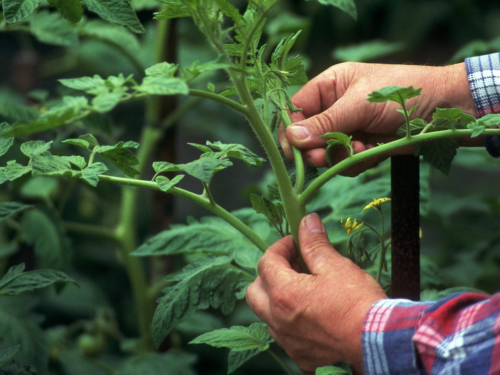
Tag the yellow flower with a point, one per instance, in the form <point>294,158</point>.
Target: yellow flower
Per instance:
<point>377,203</point>
<point>351,226</point>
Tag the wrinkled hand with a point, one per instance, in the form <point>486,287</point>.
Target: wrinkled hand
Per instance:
<point>316,318</point>
<point>335,101</point>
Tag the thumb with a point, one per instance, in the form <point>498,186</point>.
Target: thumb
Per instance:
<point>315,246</point>
<point>340,117</point>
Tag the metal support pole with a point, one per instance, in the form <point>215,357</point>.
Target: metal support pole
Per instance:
<point>405,218</point>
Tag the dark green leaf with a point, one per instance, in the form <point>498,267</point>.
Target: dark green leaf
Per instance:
<point>76,160</point>
<point>7,353</point>
<point>116,11</point>
<point>393,93</point>
<point>121,156</point>
<point>90,139</point>
<point>236,359</point>
<point>477,129</point>
<point>52,28</point>
<point>248,258</point>
<point>105,102</point>
<point>273,211</point>
<point>204,168</point>
<point>416,127</point>
<point>111,34</point>
<point>209,281</point>
<point>17,10</point>
<point>347,6</point>
<point>490,120</point>
<point>163,166</point>
<point>14,170</point>
<point>39,187</point>
<point>50,165</point>
<point>51,245</point>
<point>77,142</point>
<point>31,148</point>
<point>71,9</point>
<point>16,281</point>
<point>367,51</point>
<point>8,209</point>
<point>439,153</point>
<point>212,235</point>
<point>3,177</point>
<point>15,113</point>
<point>175,361</point>
<point>163,86</point>
<point>172,9</point>
<point>18,325</point>
<point>5,143</point>
<point>450,114</point>
<point>230,150</point>
<point>238,338</point>
<point>92,172</point>
<point>165,184</point>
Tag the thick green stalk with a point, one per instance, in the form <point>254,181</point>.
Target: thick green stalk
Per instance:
<point>198,199</point>
<point>379,150</point>
<point>220,99</point>
<point>294,209</point>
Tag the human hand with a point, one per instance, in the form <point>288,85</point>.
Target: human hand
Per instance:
<point>317,318</point>
<point>335,101</point>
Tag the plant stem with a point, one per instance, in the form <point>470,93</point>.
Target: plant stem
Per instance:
<point>282,364</point>
<point>220,99</point>
<point>294,209</point>
<point>198,199</point>
<point>379,150</point>
<point>407,117</point>
<point>90,230</point>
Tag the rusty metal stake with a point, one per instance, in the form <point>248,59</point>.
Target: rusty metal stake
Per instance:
<point>405,218</point>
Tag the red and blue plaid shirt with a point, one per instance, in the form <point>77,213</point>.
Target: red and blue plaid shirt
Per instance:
<point>459,334</point>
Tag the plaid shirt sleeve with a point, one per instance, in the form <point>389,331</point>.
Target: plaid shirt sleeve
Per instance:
<point>483,73</point>
<point>459,334</point>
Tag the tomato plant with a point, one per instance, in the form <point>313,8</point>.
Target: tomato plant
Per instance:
<point>63,145</point>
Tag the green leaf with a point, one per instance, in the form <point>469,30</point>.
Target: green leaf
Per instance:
<point>209,281</point>
<point>163,86</point>
<point>198,323</point>
<point>490,120</point>
<point>31,148</point>
<point>92,85</point>
<point>175,361</point>
<point>238,338</point>
<point>105,102</point>
<point>237,358</point>
<point>77,142</point>
<point>273,211</point>
<point>76,160</point>
<point>450,114</point>
<point>163,69</point>
<point>116,11</point>
<point>90,139</point>
<point>16,281</point>
<point>5,143</point>
<point>165,184</point>
<point>14,170</point>
<point>333,370</point>
<point>49,240</point>
<point>3,177</point>
<point>18,325</point>
<point>121,156</point>
<point>72,10</point>
<point>393,93</point>
<point>172,9</point>
<point>248,258</point>
<point>9,209</point>
<point>231,150</point>
<point>17,10</point>
<point>50,165</point>
<point>477,129</point>
<point>197,69</point>
<point>416,126</point>
<point>112,34</point>
<point>347,6</point>
<point>439,153</point>
<point>92,172</point>
<point>367,51</point>
<point>7,353</point>
<point>204,168</point>
<point>211,235</point>
<point>52,28</point>
<point>39,187</point>
<point>163,166</point>
<point>15,112</point>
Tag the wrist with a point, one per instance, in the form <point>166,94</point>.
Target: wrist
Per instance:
<point>456,91</point>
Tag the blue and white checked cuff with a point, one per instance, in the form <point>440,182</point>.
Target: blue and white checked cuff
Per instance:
<point>483,73</point>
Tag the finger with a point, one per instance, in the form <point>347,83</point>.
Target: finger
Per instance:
<point>315,246</point>
<point>275,266</point>
<point>285,145</point>
<point>258,300</point>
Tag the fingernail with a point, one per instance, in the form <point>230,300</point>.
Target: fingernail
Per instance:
<point>314,223</point>
<point>299,132</point>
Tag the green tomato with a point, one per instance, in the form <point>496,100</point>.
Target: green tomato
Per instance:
<point>91,345</point>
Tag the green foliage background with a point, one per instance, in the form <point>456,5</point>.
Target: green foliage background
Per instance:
<point>460,213</point>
